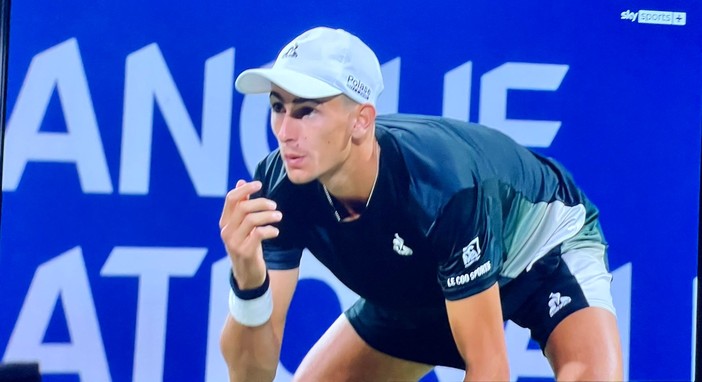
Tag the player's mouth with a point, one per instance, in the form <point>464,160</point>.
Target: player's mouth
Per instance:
<point>293,160</point>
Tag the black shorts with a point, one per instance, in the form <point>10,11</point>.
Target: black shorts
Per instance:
<point>538,300</point>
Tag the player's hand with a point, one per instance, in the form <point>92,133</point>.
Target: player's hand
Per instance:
<point>244,224</point>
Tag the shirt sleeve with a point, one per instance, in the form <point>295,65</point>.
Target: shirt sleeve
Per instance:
<point>282,259</point>
<point>467,235</point>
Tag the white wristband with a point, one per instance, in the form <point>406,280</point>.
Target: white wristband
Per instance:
<point>254,312</point>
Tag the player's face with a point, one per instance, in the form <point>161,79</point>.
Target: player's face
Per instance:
<point>314,135</point>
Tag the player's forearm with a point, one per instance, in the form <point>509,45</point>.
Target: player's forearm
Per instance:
<point>250,343</point>
<point>251,353</point>
<point>495,368</point>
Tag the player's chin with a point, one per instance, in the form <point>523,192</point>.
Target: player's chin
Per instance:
<point>299,177</point>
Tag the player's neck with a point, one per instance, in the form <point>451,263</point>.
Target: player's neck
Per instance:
<point>353,185</point>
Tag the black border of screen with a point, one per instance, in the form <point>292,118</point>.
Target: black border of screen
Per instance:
<point>4,53</point>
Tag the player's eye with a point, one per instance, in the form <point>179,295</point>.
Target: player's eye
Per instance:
<point>302,112</point>
<point>277,107</point>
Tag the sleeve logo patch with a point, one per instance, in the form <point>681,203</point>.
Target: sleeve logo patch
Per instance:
<point>471,252</point>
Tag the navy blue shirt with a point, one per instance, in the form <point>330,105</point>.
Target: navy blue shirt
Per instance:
<point>457,207</point>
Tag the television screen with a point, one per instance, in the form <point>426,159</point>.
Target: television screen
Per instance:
<point>124,132</point>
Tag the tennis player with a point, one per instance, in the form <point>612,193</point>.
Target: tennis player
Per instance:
<point>445,229</point>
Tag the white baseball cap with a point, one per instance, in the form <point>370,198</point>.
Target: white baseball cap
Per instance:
<point>320,63</point>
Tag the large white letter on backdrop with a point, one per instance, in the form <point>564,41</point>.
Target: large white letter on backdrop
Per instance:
<point>206,158</point>
<point>64,279</point>
<point>59,68</point>
<point>494,86</point>
<point>154,266</point>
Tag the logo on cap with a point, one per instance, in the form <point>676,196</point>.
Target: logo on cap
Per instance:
<point>291,52</point>
<point>357,86</point>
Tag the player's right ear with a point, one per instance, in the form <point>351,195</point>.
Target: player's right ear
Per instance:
<point>364,122</point>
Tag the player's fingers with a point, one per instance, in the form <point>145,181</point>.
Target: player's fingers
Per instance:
<point>247,215</point>
<point>237,235</point>
<point>264,233</point>
<point>241,192</point>
<point>246,207</point>
<point>258,219</point>
<point>251,249</point>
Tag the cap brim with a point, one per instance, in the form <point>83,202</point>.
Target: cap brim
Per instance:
<point>255,81</point>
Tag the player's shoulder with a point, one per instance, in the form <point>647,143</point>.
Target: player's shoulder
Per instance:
<point>436,153</point>
<point>441,139</point>
<point>427,124</point>
<point>434,149</point>
<point>416,127</point>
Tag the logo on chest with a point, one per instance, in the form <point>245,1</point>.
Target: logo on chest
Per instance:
<point>398,245</point>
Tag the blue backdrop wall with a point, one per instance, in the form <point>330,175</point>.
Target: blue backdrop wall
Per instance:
<point>124,133</point>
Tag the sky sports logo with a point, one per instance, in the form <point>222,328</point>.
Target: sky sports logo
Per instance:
<point>655,17</point>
